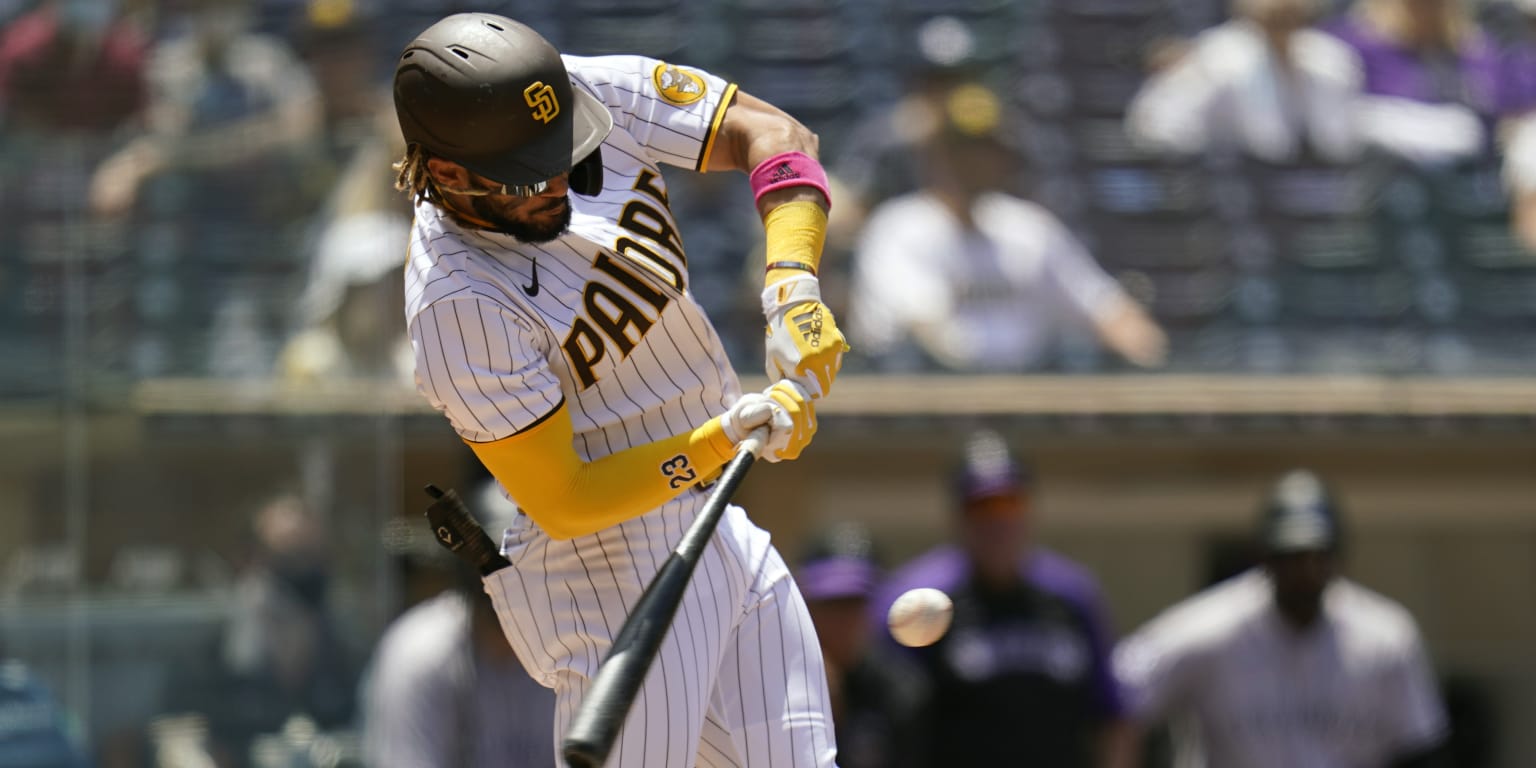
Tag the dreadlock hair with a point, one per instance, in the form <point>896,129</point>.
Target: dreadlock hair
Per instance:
<point>412,177</point>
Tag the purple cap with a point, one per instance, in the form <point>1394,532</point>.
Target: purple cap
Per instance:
<point>838,576</point>
<point>988,469</point>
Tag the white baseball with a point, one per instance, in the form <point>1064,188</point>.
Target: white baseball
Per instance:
<point>920,617</point>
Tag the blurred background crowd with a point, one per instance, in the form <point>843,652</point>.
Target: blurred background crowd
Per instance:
<point>1255,186</point>
<point>208,510</point>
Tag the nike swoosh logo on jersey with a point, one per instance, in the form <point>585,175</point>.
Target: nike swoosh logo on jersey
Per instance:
<point>533,290</point>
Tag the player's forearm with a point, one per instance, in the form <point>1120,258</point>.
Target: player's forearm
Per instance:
<point>568,497</point>
<point>754,131</point>
<point>1523,217</point>
<point>240,140</point>
<point>1127,329</point>
<point>795,234</point>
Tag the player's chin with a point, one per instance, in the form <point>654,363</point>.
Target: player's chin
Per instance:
<point>540,227</point>
<point>561,207</point>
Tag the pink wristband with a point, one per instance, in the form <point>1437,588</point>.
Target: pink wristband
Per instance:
<point>789,169</point>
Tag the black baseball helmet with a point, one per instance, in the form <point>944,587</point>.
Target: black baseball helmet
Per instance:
<point>1300,515</point>
<point>493,96</point>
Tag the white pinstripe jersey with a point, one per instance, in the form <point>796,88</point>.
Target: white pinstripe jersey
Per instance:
<point>601,317</point>
<point>1356,690</point>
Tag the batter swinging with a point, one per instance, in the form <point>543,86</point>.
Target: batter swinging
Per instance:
<point>557,333</point>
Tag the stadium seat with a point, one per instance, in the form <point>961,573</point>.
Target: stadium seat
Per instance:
<point>1181,297</point>
<point>1147,190</point>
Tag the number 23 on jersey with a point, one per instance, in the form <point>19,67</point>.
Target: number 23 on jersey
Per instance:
<point>678,472</point>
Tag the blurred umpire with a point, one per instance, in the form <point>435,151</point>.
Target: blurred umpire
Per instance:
<point>1023,677</point>
<point>1288,664</point>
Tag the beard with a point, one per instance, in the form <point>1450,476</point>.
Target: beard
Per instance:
<point>528,230</point>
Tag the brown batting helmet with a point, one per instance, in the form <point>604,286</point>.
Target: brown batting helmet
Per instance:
<point>493,96</point>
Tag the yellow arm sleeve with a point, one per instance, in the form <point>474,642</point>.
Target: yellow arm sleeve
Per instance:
<point>796,232</point>
<point>568,498</point>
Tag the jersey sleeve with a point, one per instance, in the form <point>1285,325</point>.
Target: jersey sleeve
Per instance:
<point>484,367</point>
<point>407,716</point>
<point>414,688</point>
<point>1108,698</point>
<point>1080,282</point>
<point>673,111</point>
<point>1416,715</point>
<point>1172,112</point>
<point>1155,668</point>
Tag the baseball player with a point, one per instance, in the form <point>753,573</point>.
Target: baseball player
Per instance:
<point>1288,665</point>
<point>1023,676</point>
<point>548,303</point>
<point>444,690</point>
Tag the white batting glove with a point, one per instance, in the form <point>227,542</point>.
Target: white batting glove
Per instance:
<point>787,412</point>
<point>804,344</point>
<point>754,410</point>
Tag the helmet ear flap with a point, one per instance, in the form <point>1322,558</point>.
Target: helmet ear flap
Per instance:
<point>586,177</point>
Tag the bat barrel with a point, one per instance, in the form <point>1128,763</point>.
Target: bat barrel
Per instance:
<point>595,728</point>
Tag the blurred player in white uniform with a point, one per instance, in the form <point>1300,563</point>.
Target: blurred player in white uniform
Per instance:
<point>1288,665</point>
<point>548,304</point>
<point>444,690</point>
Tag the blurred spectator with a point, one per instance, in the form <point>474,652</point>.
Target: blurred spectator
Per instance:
<point>233,136</point>
<point>353,303</point>
<point>880,159</point>
<point>1520,175</point>
<point>1265,83</point>
<point>1520,138</point>
<point>1288,664</point>
<point>1023,676</point>
<point>72,81</point>
<point>280,660</point>
<point>221,99</point>
<point>1435,84</point>
<point>34,731</point>
<point>444,688</point>
<point>965,275</point>
<point>1518,27</point>
<point>338,42</point>
<point>71,66</point>
<point>877,699</point>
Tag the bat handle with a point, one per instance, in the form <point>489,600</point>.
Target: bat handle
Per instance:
<point>754,442</point>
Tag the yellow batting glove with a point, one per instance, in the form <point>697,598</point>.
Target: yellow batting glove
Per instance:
<point>786,444</point>
<point>804,344</point>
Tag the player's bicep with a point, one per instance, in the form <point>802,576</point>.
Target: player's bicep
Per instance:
<point>673,111</point>
<point>483,368</point>
<point>752,130</point>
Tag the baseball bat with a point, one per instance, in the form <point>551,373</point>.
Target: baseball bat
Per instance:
<point>595,727</point>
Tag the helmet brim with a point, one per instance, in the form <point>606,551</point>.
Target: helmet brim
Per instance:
<point>554,154</point>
